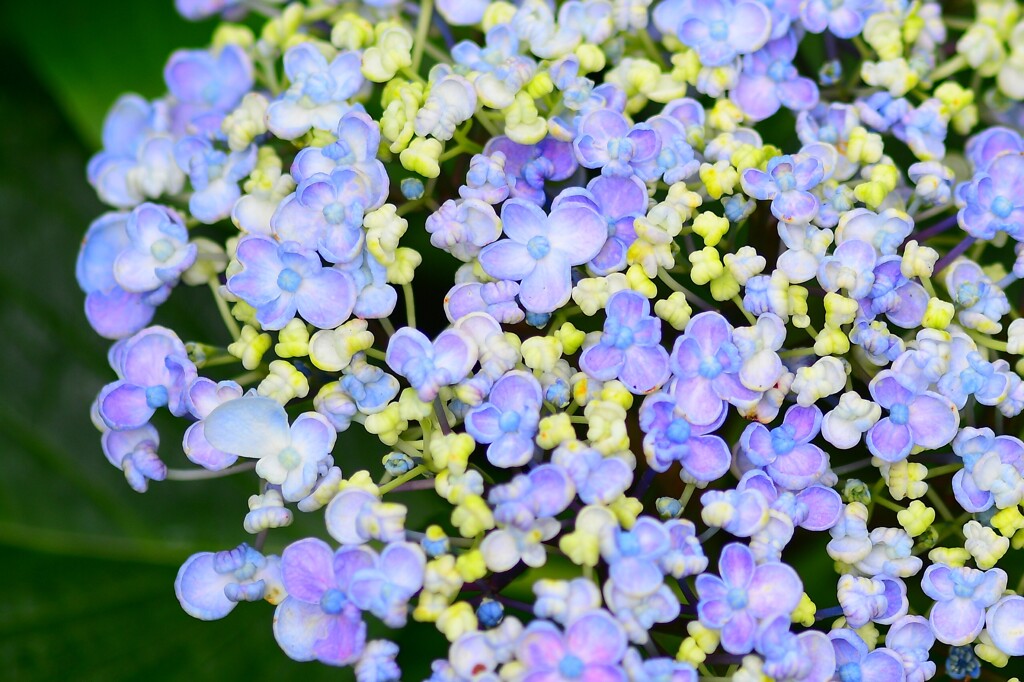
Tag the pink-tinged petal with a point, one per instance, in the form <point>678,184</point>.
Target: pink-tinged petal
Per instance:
<point>806,422</point>
<point>798,94</point>
<point>541,646</point>
<point>510,450</point>
<point>933,419</point>
<point>522,220</point>
<point>603,673</point>
<point>967,493</point>
<point>124,406</point>
<point>824,507</point>
<point>516,390</point>
<point>619,196</point>
<point>507,259</point>
<point>578,232</point>
<point>344,640</point>
<point>1005,624</point>
<point>799,467</point>
<point>698,403</point>
<point>117,313</point>
<point>298,626</point>
<point>455,352</point>
<point>348,561</point>
<point>736,565</point>
<point>889,441</point>
<point>326,299</point>
<point>957,622</point>
<point>199,450</point>
<point>710,330</point>
<point>738,634</point>
<point>251,426</point>
<point>645,369</point>
<point>602,362</point>
<point>714,612</point>
<point>307,569</point>
<point>200,589</point>
<point>815,647</point>
<point>756,442</point>
<point>775,589</point>
<point>596,638</point>
<point>708,459</point>
<point>549,286</point>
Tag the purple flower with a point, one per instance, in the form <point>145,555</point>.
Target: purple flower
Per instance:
<point>356,149</point>
<point>497,299</point>
<point>134,452</point>
<point>629,348</point>
<point>113,312</point>
<point>508,420</point>
<point>206,85</point>
<point>993,472</point>
<point>528,167</point>
<point>865,600</point>
<point>429,366</point>
<point>924,129</point>
<point>707,363</point>
<point>788,657</point>
<point>605,140</point>
<point>786,181</point>
<point>992,143</point>
<point>769,80</point>
<point>744,595</point>
<point>154,371</point>
<point>844,18</point>
<point>210,584</point>
<point>917,417</point>
<point>992,201</point>
<point>855,662</point>
<point>961,596</point>
<point>291,456</point>
<point>981,303</point>
<point>719,30</point>
<point>633,556</point>
<point>816,507</point>
<point>786,452</point>
<point>203,397</point>
<point>326,213</point>
<point>541,250</point>
<point>368,385</point>
<point>319,619</point>
<point>851,267</point>
<point>901,300</point>
<point>318,94</point>
<point>279,280</point>
<point>1003,623</point>
<point>671,437</point>
<point>214,175</point>
<point>621,200</point>
<point>591,648</point>
<point>462,227</point>
<point>676,161</point>
<point>911,639</point>
<point>157,252</point>
<point>657,669</point>
<point>598,479</point>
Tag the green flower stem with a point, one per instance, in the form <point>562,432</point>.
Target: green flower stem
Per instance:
<point>940,506</point>
<point>222,307</point>
<point>944,71</point>
<point>407,476</point>
<point>943,470</point>
<point>422,29</point>
<point>410,305</point>
<point>206,474</point>
<point>375,353</point>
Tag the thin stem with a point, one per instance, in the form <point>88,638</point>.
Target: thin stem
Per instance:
<point>943,470</point>
<point>410,305</point>
<point>947,69</point>
<point>940,506</point>
<point>422,30</point>
<point>206,474</point>
<point>672,284</point>
<point>746,313</point>
<point>937,228</point>
<point>399,480</point>
<point>852,466</point>
<point>375,353</point>
<point>953,254</point>
<point>222,307</point>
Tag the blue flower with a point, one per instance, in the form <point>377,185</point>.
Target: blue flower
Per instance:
<point>319,91</point>
<point>719,30</point>
<point>279,280</point>
<point>206,85</point>
<point>157,252</point>
<point>769,80</point>
<point>786,452</point>
<point>591,647</point>
<point>358,137</point>
<point>463,227</point>
<point>991,202</point>
<point>961,596</point>
<point>855,662</point>
<point>671,437</point>
<point>844,18</point>
<point>629,348</point>
<point>210,584</point>
<point>202,398</point>
<point>606,140</point>
<point>507,422</point>
<point>786,181</point>
<point>214,176</point>
<point>429,366</point>
<point>369,386</point>
<point>916,417</point>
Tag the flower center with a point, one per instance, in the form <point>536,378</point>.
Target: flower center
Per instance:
<point>1002,206</point>
<point>678,431</point>
<point>570,666</point>
<point>333,601</point>
<point>718,30</point>
<point>289,458</point>
<point>538,247</point>
<point>710,367</point>
<point>782,440</point>
<point>736,598</point>
<point>777,70</point>
<point>620,148</point>
<point>162,249</point>
<point>289,280</point>
<point>629,545</point>
<point>899,414</point>
<point>156,396</point>
<point>509,421</point>
<point>849,672</point>
<point>334,213</point>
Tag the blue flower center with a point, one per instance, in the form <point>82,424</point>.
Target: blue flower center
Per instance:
<point>629,544</point>
<point>289,280</point>
<point>334,213</point>
<point>538,247</point>
<point>333,601</point>
<point>620,336</point>
<point>162,249</point>
<point>710,367</point>
<point>849,672</point>
<point>899,414</point>
<point>156,396</point>
<point>318,87</point>
<point>509,421</point>
<point>718,30</point>
<point>785,181</point>
<point>777,70</point>
<point>736,598</point>
<point>289,458</point>
<point>340,153</point>
<point>678,431</point>
<point>620,148</point>
<point>782,439</point>
<point>570,666</point>
<point>210,93</point>
<point>1002,207</point>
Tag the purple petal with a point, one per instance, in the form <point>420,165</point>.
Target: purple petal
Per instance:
<point>933,419</point>
<point>645,370</point>
<point>200,589</point>
<point>124,406</point>
<point>307,569</point>
<point>507,259</point>
<point>775,589</point>
<point>602,362</point>
<point>596,639</point>
<point>957,622</point>
<point>548,286</point>
<point>522,221</point>
<point>889,441</point>
<point>298,626</point>
<point>326,299</point>
<point>708,458</point>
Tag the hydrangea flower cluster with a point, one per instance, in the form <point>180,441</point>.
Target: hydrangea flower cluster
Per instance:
<point>732,305</point>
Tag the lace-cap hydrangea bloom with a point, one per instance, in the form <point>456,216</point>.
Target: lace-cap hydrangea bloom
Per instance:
<point>629,348</point>
<point>429,366</point>
<point>719,30</point>
<point>318,94</point>
<point>155,371</point>
<point>961,596</point>
<point>507,422</point>
<point>707,363</point>
<point>786,181</point>
<point>916,417</point>
<point>257,428</point>
<point>744,595</point>
<point>282,279</point>
<point>769,80</point>
<point>786,452</point>
<point>541,250</point>
<point>671,437</point>
<point>591,648</point>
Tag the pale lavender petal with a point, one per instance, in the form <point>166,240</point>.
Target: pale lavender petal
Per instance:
<point>307,569</point>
